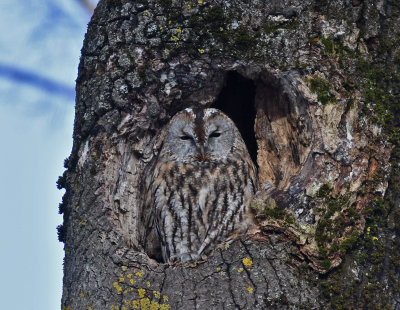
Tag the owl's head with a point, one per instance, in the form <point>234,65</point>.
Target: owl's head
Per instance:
<point>200,136</point>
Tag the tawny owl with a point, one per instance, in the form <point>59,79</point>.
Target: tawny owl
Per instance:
<point>200,184</point>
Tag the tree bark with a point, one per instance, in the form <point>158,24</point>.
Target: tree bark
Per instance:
<point>314,87</point>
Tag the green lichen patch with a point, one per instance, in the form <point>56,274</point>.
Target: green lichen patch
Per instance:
<point>243,39</point>
<point>368,262</point>
<point>324,191</point>
<point>323,89</point>
<point>369,256</point>
<point>268,209</point>
<point>215,17</point>
<point>386,104</point>
<point>335,48</point>
<point>271,27</point>
<point>335,229</point>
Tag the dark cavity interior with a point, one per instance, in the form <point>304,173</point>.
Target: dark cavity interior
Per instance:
<point>237,101</point>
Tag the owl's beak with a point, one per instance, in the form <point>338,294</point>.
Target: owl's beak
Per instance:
<point>202,152</point>
<point>203,156</point>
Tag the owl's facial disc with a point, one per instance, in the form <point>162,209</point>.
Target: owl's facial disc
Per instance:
<point>220,136</point>
<point>196,135</point>
<point>180,140</point>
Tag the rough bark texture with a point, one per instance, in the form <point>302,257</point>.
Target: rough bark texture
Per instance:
<point>314,88</point>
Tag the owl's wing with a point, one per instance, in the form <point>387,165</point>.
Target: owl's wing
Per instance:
<point>236,219</point>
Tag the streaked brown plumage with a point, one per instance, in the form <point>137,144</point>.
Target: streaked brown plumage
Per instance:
<point>200,184</point>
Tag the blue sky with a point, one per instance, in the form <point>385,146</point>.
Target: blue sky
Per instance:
<point>40,42</point>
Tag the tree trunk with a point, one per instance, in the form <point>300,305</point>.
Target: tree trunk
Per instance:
<point>314,88</point>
